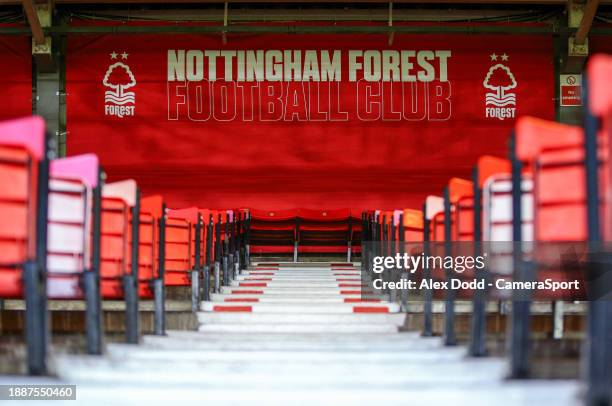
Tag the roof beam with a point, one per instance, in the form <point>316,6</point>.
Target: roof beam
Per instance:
<point>587,20</point>
<point>452,2</point>
<point>35,26</point>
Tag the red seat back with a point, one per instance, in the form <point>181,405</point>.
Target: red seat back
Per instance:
<point>118,199</point>
<point>22,148</point>
<point>151,211</point>
<point>180,246</point>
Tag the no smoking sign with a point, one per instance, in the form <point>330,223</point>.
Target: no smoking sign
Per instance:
<point>571,90</point>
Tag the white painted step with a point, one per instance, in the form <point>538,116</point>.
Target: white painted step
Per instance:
<point>300,279</point>
<point>558,393</point>
<point>293,291</point>
<point>304,265</point>
<point>297,284</point>
<point>282,374</point>
<point>309,328</point>
<point>303,270</point>
<point>312,308</point>
<point>302,273</point>
<point>248,319</point>
<point>303,299</point>
<point>189,341</point>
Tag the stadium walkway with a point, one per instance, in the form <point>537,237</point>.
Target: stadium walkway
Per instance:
<point>292,334</point>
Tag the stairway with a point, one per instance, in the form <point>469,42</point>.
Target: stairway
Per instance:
<point>298,334</point>
<point>299,298</point>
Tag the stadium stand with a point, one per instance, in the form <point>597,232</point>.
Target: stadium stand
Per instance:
<point>67,234</point>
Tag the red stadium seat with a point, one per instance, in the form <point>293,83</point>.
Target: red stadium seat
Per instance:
<point>556,153</point>
<point>273,231</point>
<point>324,231</point>
<point>117,201</point>
<point>598,130</point>
<point>413,225</point>
<point>151,211</point>
<point>21,149</point>
<point>180,246</point>
<point>461,193</point>
<point>23,225</point>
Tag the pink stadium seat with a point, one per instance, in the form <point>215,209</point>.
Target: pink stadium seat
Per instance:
<point>71,188</point>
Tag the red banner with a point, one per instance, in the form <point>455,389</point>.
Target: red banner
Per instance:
<point>15,77</point>
<point>280,121</point>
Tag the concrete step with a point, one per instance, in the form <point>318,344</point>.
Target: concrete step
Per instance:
<point>558,393</point>
<point>249,358</point>
<point>185,341</point>
<point>303,265</point>
<point>300,279</point>
<point>301,273</point>
<point>310,328</point>
<point>294,291</point>
<point>298,284</point>
<point>248,319</point>
<point>312,308</point>
<point>287,299</point>
<point>281,374</point>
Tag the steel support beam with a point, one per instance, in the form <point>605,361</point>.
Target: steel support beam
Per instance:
<point>304,29</point>
<point>40,16</point>
<point>453,2</point>
<point>587,21</point>
<point>580,17</point>
<point>32,15</point>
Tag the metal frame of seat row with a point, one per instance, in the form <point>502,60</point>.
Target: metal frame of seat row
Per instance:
<point>598,123</point>
<point>562,153</point>
<point>24,163</point>
<point>543,147</point>
<point>457,192</point>
<point>433,208</point>
<point>195,249</point>
<point>486,169</point>
<point>207,255</point>
<point>183,245</point>
<point>120,250</point>
<point>151,243</point>
<point>498,221</point>
<point>371,240</point>
<point>386,237</point>
<point>410,231</point>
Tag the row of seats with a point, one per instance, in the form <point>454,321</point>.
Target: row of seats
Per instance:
<point>305,231</point>
<point>65,234</point>
<point>553,191</point>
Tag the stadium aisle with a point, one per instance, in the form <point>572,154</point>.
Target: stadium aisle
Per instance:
<point>297,334</point>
